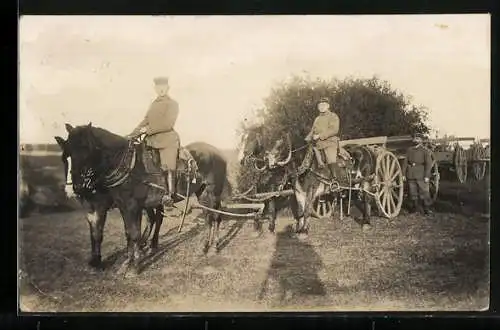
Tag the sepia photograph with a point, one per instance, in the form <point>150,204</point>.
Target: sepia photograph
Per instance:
<point>258,163</point>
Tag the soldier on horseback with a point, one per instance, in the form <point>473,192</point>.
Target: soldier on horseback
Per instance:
<point>158,124</point>
<point>324,135</point>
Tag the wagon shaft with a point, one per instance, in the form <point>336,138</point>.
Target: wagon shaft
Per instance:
<point>282,193</point>
<point>244,206</point>
<point>259,207</point>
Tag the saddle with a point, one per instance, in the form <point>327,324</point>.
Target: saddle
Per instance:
<point>185,162</point>
<point>343,157</point>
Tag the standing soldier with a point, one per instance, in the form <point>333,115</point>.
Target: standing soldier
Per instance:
<point>158,124</point>
<point>324,133</point>
<point>417,167</point>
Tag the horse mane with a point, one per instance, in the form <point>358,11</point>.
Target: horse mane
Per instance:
<point>107,138</point>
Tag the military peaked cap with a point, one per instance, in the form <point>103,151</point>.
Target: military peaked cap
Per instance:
<point>161,80</point>
<point>324,100</point>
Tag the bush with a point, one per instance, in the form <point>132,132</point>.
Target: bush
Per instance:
<point>366,107</point>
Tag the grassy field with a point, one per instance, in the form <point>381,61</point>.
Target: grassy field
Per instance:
<point>439,262</point>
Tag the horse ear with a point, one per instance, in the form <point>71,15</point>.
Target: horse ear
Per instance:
<point>69,128</point>
<point>60,141</point>
<point>89,125</point>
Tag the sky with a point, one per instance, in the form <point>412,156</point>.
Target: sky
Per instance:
<point>99,69</point>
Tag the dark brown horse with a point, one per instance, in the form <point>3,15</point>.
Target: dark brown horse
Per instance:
<point>108,171</point>
<point>273,173</point>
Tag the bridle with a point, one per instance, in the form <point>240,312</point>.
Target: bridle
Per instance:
<point>253,160</point>
<point>102,176</point>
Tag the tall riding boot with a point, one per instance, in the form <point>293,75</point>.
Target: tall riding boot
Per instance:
<point>418,207</point>
<point>333,170</point>
<point>412,206</point>
<point>167,197</point>
<point>171,183</point>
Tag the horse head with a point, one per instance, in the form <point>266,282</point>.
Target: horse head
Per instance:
<point>86,153</point>
<point>280,154</point>
<point>362,160</point>
<point>253,150</point>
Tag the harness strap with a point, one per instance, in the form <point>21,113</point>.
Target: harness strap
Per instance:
<point>121,173</point>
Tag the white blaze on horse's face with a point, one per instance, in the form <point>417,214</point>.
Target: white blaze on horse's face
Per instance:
<point>272,156</point>
<point>68,186</point>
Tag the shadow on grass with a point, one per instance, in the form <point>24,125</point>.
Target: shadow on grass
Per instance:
<point>148,260</point>
<point>294,266</point>
<point>230,235</point>
<point>163,248</point>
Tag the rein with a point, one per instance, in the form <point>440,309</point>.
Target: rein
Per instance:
<point>122,171</point>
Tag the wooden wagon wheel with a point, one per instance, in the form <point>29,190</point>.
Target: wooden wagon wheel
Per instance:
<point>434,181</point>
<point>478,167</point>
<point>322,207</point>
<point>460,163</point>
<point>389,183</point>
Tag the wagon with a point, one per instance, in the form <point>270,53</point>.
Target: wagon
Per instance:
<point>478,156</point>
<point>451,156</point>
<point>390,192</point>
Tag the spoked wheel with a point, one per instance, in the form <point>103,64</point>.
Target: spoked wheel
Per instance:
<point>460,163</point>
<point>478,167</point>
<point>322,207</point>
<point>434,181</point>
<point>389,183</point>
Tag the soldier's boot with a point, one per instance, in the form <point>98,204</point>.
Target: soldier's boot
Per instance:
<point>412,205</point>
<point>167,199</point>
<point>418,207</point>
<point>333,170</point>
<point>171,184</point>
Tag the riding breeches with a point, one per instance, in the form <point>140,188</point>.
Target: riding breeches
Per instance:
<point>168,158</point>
<point>330,154</point>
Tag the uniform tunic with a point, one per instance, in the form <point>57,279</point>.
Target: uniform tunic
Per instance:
<point>159,121</point>
<point>416,166</point>
<point>326,125</point>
